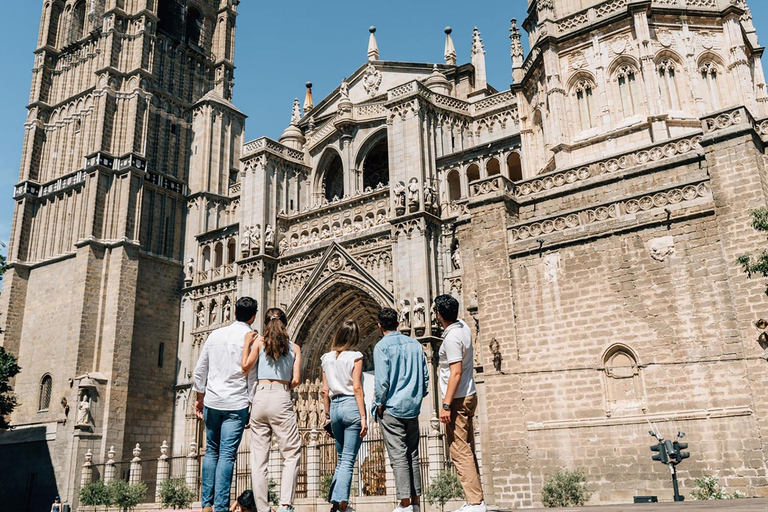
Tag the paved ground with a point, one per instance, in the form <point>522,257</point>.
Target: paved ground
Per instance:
<point>742,505</point>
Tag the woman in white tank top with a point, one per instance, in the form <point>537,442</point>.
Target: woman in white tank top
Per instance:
<point>344,407</point>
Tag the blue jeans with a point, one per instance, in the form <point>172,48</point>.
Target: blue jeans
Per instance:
<point>346,425</point>
<point>223,433</point>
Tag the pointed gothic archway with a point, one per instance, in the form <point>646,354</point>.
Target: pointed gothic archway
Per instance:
<point>339,302</point>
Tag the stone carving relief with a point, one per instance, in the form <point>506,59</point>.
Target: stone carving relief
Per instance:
<point>308,404</point>
<point>371,80</point>
<point>661,248</point>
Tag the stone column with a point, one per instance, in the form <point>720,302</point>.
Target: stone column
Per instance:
<point>435,449</point>
<point>193,467</point>
<point>163,469</point>
<point>313,465</point>
<point>86,476</point>
<point>109,467</point>
<point>135,474</point>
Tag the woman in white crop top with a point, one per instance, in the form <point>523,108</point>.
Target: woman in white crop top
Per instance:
<point>344,407</point>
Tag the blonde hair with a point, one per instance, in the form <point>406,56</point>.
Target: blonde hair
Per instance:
<point>347,337</point>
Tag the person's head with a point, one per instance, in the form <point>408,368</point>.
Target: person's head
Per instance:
<point>388,320</point>
<point>347,337</point>
<point>276,340</point>
<point>57,500</point>
<point>245,310</point>
<point>247,502</point>
<point>446,309</point>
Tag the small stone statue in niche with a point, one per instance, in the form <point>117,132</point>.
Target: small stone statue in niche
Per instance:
<point>245,243</point>
<point>496,351</point>
<point>84,411</point>
<point>269,237</point>
<point>256,239</point>
<point>399,198</point>
<point>456,255</point>
<point>413,195</point>
<point>189,270</point>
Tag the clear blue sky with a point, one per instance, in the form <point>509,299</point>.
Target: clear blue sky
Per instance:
<point>280,46</point>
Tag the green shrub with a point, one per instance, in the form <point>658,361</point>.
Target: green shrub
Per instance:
<point>708,488</point>
<point>272,496</point>
<point>565,488</point>
<point>443,488</point>
<point>126,496</point>
<point>95,493</point>
<point>175,493</point>
<point>325,485</point>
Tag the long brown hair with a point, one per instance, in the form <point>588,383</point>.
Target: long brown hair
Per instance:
<point>347,337</point>
<point>276,340</point>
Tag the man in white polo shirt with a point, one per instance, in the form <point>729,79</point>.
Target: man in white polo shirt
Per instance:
<point>457,384</point>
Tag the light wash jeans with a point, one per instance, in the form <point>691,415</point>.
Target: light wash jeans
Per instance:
<point>223,433</point>
<point>346,426</point>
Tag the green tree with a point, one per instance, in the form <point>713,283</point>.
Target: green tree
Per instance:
<point>444,487</point>
<point>759,264</point>
<point>95,493</point>
<point>3,264</point>
<point>565,488</point>
<point>125,495</point>
<point>175,493</point>
<point>8,370</point>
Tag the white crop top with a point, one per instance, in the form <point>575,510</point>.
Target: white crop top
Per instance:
<point>338,371</point>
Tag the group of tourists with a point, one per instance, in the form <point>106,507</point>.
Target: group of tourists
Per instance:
<point>244,379</point>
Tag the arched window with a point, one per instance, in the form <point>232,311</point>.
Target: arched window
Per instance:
<point>623,388</point>
<point>626,76</point>
<point>493,168</point>
<point>231,251</point>
<point>515,166</point>
<point>668,81</point>
<point>46,387</point>
<point>79,22</point>
<point>334,179</point>
<point>169,12</point>
<point>709,78</point>
<point>207,258</point>
<point>454,185</point>
<point>376,166</point>
<point>218,255</point>
<point>54,25</point>
<point>194,28</point>
<point>586,103</point>
<point>473,173</point>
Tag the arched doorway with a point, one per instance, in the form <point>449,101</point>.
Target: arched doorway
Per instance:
<point>339,302</point>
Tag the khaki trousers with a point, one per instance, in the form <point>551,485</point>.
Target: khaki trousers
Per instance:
<point>461,443</point>
<point>272,414</point>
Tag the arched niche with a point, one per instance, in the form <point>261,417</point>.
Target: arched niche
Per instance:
<point>376,165</point>
<point>493,168</point>
<point>515,166</point>
<point>194,28</point>
<point>454,185</point>
<point>331,175</point>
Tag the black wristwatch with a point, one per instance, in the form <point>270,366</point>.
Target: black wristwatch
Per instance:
<point>446,407</point>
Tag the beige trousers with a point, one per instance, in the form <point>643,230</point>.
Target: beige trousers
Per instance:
<point>461,443</point>
<point>272,414</point>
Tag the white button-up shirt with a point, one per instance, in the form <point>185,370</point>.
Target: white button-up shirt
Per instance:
<point>219,374</point>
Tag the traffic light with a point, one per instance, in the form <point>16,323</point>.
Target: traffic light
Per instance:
<point>679,453</point>
<point>662,455</point>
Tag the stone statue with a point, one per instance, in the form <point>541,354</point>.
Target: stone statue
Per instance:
<point>227,316</point>
<point>419,316</point>
<point>456,256</point>
<point>399,198</point>
<point>283,245</point>
<point>344,89</point>
<point>245,243</point>
<point>214,314</point>
<point>430,198</point>
<point>84,412</point>
<point>201,316</point>
<point>189,270</point>
<point>413,195</point>
<point>404,313</point>
<point>269,237</point>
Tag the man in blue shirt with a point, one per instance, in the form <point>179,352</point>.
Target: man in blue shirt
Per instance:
<point>400,385</point>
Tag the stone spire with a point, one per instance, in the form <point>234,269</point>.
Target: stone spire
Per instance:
<point>296,113</point>
<point>516,49</point>
<point>450,50</point>
<point>373,46</point>
<point>478,60</point>
<point>292,136</point>
<point>308,103</point>
<point>438,82</point>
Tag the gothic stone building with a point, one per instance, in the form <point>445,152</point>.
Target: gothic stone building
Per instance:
<point>589,218</point>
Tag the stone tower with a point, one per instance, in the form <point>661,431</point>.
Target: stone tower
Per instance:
<point>127,99</point>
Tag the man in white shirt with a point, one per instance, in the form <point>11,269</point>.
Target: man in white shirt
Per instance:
<point>457,385</point>
<point>223,397</point>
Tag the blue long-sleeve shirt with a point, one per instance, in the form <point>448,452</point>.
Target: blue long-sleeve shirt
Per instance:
<point>401,377</point>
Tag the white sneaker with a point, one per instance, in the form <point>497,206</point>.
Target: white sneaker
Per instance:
<point>475,508</point>
<point>401,508</point>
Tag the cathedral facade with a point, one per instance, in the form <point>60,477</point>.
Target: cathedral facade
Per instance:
<point>589,218</point>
